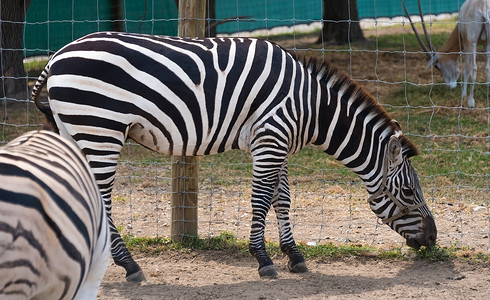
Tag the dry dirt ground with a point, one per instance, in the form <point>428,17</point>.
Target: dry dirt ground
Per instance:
<point>214,275</point>
<point>218,275</point>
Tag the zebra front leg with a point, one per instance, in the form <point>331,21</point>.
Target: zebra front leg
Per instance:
<point>265,180</point>
<point>260,207</point>
<point>282,202</point>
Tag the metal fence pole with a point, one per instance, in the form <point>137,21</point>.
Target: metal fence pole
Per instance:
<point>185,168</point>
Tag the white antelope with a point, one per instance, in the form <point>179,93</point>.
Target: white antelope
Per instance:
<point>473,27</point>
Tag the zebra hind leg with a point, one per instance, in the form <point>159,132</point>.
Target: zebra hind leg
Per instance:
<point>120,253</point>
<point>122,257</point>
<point>103,161</point>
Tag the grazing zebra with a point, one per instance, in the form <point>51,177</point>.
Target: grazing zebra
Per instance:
<point>189,97</point>
<point>54,237</point>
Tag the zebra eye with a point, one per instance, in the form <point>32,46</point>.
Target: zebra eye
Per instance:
<point>407,192</point>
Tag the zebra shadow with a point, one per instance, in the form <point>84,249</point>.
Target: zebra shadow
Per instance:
<point>414,276</point>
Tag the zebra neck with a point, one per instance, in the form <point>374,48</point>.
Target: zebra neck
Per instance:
<point>354,129</point>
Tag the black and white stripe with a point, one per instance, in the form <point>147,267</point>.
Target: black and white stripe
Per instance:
<point>204,96</point>
<point>54,237</point>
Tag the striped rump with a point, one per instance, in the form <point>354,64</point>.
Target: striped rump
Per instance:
<point>54,240</point>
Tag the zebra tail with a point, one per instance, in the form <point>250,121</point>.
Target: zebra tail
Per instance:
<point>45,109</point>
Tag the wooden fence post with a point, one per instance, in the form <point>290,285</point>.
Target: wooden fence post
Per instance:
<point>185,168</point>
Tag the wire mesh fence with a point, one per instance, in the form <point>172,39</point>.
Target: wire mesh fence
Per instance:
<point>328,202</point>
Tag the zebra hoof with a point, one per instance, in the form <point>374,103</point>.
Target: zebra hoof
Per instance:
<point>297,268</point>
<point>136,277</point>
<point>268,272</point>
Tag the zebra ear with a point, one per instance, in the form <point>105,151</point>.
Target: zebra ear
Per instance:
<point>394,151</point>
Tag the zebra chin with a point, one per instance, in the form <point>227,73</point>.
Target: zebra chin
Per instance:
<point>427,236</point>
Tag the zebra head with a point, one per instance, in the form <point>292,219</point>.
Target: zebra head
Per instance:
<point>398,200</point>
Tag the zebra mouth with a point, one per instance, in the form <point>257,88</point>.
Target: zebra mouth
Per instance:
<point>416,243</point>
<point>413,243</point>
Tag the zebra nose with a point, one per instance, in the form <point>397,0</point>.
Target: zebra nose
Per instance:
<point>432,239</point>
<point>430,232</point>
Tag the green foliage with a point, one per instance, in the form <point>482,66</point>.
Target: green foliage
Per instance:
<point>35,67</point>
<point>330,250</point>
<point>149,245</point>
<point>289,35</point>
<point>227,242</point>
<point>405,39</point>
<point>120,199</point>
<point>436,253</point>
<point>434,118</point>
<point>146,244</point>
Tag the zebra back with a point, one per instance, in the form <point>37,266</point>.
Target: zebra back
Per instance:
<point>54,241</point>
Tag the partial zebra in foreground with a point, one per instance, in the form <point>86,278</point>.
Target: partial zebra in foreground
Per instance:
<point>54,237</point>
<point>185,96</point>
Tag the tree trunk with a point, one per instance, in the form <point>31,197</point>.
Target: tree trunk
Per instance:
<point>117,15</point>
<point>13,83</point>
<point>210,19</point>
<point>340,22</point>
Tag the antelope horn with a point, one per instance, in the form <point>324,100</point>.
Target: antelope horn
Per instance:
<point>426,50</point>
<point>231,19</point>
<point>429,43</point>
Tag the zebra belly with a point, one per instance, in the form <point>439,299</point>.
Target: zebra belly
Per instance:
<point>144,133</point>
<point>172,141</point>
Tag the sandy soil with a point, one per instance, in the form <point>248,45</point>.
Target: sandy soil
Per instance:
<point>215,275</point>
<point>346,217</point>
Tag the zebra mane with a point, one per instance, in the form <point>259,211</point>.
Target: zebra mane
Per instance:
<point>332,76</point>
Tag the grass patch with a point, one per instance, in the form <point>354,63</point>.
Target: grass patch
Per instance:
<point>289,35</point>
<point>451,253</point>
<point>154,245</point>
<point>437,253</point>
<point>120,199</point>
<point>225,241</point>
<point>453,140</point>
<point>229,243</point>
<point>147,245</point>
<point>35,67</point>
<point>407,41</point>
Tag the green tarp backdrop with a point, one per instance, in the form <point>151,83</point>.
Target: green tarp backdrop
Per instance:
<point>50,24</point>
